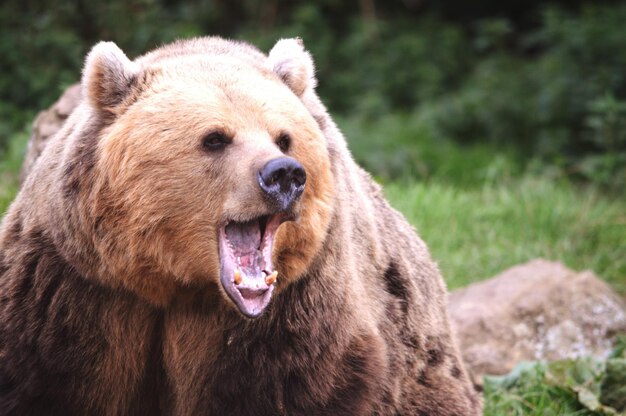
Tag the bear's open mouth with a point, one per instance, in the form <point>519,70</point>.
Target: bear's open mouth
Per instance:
<point>247,273</point>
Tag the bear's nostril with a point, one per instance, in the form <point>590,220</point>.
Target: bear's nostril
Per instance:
<point>299,177</point>
<point>282,180</point>
<point>277,175</point>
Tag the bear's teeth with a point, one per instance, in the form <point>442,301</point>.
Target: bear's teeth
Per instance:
<point>237,277</point>
<point>271,278</point>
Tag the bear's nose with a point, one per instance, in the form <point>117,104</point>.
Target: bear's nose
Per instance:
<point>282,179</point>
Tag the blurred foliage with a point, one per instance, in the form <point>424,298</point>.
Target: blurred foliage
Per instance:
<point>544,80</point>
<point>563,104</point>
<point>406,146</point>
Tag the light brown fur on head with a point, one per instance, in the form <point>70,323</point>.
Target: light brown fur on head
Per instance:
<point>167,195</point>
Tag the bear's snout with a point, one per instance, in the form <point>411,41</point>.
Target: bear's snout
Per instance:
<point>282,180</point>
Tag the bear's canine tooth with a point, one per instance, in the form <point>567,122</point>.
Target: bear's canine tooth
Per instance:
<point>271,278</point>
<point>237,277</point>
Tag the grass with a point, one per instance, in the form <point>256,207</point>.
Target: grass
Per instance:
<point>530,394</point>
<point>586,386</point>
<point>477,232</point>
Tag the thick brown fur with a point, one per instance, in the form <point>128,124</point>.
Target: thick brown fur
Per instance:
<point>110,301</point>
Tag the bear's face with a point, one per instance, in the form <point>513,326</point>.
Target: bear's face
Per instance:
<point>211,171</point>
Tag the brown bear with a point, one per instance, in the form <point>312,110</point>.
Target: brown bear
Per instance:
<point>197,240</point>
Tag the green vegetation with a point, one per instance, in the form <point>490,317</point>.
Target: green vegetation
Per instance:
<point>584,387</point>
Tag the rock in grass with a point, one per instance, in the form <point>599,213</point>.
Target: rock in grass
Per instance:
<point>539,310</point>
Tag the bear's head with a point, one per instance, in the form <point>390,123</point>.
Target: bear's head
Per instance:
<point>209,169</point>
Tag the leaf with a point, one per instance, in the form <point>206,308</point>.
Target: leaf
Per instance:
<point>590,400</point>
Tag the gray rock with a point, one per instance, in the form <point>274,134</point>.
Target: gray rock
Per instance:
<point>539,310</point>
<point>46,124</point>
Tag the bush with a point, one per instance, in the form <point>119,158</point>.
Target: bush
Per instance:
<point>564,105</point>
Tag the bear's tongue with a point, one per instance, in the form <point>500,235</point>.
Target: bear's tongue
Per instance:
<point>245,257</point>
<point>245,243</point>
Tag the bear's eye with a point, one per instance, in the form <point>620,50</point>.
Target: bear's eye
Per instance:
<point>216,140</point>
<point>283,142</point>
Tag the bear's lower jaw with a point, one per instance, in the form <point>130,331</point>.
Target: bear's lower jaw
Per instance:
<point>247,273</point>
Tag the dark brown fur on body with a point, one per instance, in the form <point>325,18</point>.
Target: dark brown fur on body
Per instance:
<point>357,326</point>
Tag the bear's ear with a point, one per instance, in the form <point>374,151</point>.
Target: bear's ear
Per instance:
<point>107,76</point>
<point>293,64</point>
